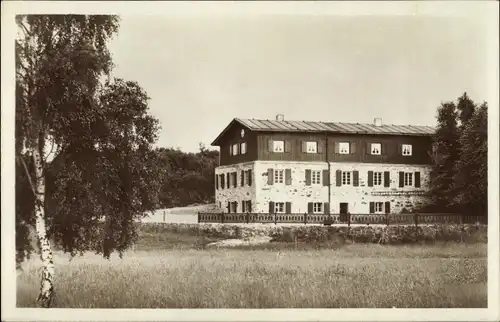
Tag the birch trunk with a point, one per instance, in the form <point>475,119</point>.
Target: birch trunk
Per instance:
<point>46,296</point>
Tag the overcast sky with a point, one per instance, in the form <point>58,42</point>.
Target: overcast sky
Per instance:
<point>202,72</point>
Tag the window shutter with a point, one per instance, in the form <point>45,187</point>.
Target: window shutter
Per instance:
<point>216,181</point>
<point>310,207</point>
<point>400,149</point>
<point>304,146</point>
<point>368,148</point>
<point>326,177</point>
<point>222,186</point>
<point>249,206</point>
<point>326,208</point>
<point>417,179</point>
<point>288,207</point>
<point>355,178</point>
<point>230,149</point>
<point>387,207</point>
<point>270,176</point>
<point>370,178</point>
<point>235,207</point>
<point>243,206</point>
<point>308,177</point>
<point>383,148</point>
<point>387,179</point>
<point>288,146</point>
<point>338,178</point>
<point>372,207</point>
<point>353,148</point>
<point>249,177</point>
<point>271,207</point>
<point>270,146</point>
<point>320,146</point>
<point>228,178</point>
<point>337,148</point>
<point>228,207</point>
<point>242,178</point>
<point>235,183</point>
<point>288,176</point>
<point>401,179</point>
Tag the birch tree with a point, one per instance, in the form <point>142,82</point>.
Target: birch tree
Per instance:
<point>83,145</point>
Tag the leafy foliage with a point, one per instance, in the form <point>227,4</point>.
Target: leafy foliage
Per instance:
<point>459,179</point>
<point>187,177</point>
<point>471,178</point>
<point>445,155</point>
<point>102,173</point>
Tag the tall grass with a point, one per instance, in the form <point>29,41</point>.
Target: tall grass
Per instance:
<point>272,276</point>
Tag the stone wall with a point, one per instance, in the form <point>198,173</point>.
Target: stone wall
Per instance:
<point>238,193</point>
<point>358,198</point>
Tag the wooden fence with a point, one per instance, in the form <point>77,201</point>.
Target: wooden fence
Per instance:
<point>373,219</point>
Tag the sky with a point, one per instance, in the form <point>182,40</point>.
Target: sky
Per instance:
<point>201,72</point>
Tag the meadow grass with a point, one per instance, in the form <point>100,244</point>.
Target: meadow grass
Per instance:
<point>176,271</point>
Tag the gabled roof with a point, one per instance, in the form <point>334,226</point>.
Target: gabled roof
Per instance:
<point>330,127</point>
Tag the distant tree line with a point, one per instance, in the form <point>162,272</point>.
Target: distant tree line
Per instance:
<point>187,178</point>
<point>459,178</point>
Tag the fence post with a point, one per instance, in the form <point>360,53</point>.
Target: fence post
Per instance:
<point>199,219</point>
<point>348,219</point>
<point>222,218</point>
<point>387,219</point>
<point>462,218</point>
<point>416,219</point>
<point>247,217</point>
<point>164,215</point>
<point>275,219</point>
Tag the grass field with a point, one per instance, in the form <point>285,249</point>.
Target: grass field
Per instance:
<point>175,271</point>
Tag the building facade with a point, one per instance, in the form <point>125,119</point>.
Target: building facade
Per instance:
<point>283,166</point>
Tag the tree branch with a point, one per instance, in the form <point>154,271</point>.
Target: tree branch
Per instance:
<point>33,189</point>
<point>25,29</point>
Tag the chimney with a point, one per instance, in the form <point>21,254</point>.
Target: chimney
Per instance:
<point>280,117</point>
<point>377,122</point>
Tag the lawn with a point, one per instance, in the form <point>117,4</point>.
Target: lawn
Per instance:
<point>178,272</point>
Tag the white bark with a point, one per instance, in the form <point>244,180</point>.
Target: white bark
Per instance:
<point>45,298</point>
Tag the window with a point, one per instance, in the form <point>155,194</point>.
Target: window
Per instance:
<point>235,149</point>
<point>406,150</point>
<point>346,178</point>
<point>379,207</point>
<point>316,176</point>
<point>377,178</point>
<point>311,147</point>
<point>344,147</point>
<point>376,148</point>
<point>408,179</point>
<point>278,146</point>
<point>243,148</point>
<point>278,176</point>
<point>318,207</point>
<point>279,207</point>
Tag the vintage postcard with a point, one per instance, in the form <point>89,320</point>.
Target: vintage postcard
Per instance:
<point>250,161</point>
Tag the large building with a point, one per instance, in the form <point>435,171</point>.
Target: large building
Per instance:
<point>280,166</point>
